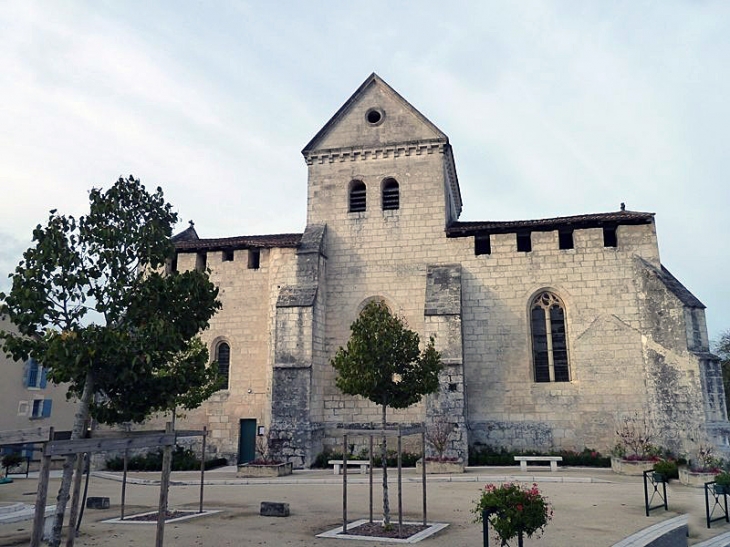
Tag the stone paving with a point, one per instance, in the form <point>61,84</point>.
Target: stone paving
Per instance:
<point>592,507</point>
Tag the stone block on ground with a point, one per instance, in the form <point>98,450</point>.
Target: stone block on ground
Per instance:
<point>97,503</point>
<point>274,509</point>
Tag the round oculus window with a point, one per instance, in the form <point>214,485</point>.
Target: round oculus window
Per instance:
<point>375,116</point>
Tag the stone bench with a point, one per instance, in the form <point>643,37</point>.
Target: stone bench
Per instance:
<point>552,459</point>
<point>364,465</point>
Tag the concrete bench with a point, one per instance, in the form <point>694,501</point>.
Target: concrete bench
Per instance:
<point>552,459</point>
<point>364,464</point>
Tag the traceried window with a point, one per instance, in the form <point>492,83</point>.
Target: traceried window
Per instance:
<point>357,196</point>
<point>223,356</point>
<point>549,345</point>
<point>391,194</point>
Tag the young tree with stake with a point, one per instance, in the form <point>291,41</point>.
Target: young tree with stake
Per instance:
<point>139,352</point>
<point>384,363</point>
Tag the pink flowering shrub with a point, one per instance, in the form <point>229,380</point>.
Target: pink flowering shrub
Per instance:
<point>514,510</point>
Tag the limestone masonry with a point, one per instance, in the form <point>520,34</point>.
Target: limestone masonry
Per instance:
<point>551,330</point>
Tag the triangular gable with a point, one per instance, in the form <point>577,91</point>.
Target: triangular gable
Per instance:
<point>350,128</point>
<point>674,286</point>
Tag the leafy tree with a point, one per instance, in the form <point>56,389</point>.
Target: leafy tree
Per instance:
<point>383,363</point>
<point>722,348</point>
<point>91,302</point>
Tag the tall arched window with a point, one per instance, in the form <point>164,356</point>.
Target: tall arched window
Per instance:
<point>357,196</point>
<point>223,356</point>
<point>549,346</point>
<point>391,194</point>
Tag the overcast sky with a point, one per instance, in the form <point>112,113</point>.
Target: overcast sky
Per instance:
<point>553,108</point>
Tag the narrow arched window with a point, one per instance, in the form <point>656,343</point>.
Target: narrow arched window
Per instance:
<point>223,356</point>
<point>549,345</point>
<point>357,196</point>
<point>391,194</point>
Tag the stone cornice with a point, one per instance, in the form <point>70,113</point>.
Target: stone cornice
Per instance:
<point>352,153</point>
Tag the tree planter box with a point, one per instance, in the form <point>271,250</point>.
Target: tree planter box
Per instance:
<point>693,478</point>
<point>249,470</point>
<point>630,467</point>
<point>441,468</point>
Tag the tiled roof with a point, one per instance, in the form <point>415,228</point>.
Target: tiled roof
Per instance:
<point>462,229</point>
<point>240,242</point>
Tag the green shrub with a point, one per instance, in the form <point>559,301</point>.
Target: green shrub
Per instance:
<point>183,459</point>
<point>407,458</point>
<point>488,455</point>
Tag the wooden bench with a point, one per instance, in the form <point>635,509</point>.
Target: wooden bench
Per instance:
<point>552,459</point>
<point>364,464</point>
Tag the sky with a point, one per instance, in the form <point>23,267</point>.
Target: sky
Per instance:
<point>552,108</point>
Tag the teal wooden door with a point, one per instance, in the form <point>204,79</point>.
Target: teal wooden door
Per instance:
<point>247,441</point>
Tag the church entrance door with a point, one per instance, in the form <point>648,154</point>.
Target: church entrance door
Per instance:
<point>247,441</point>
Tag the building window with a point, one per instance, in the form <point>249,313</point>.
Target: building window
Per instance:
<point>201,262</point>
<point>357,196</point>
<point>565,239</point>
<point>34,376</point>
<point>391,195</point>
<point>227,255</point>
<point>524,242</point>
<point>223,357</point>
<point>41,408</point>
<point>482,245</point>
<point>23,408</point>
<point>549,346</point>
<point>609,236</point>
<point>254,259</point>
<point>171,264</point>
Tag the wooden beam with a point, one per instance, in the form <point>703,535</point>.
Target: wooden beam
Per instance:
<point>22,436</point>
<point>65,448</point>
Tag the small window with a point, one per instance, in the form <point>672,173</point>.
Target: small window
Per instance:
<point>524,242</point>
<point>227,256</point>
<point>34,375</point>
<point>375,116</point>
<point>482,245</point>
<point>171,264</point>
<point>565,239</point>
<point>201,262</point>
<point>254,259</point>
<point>609,236</point>
<point>391,195</point>
<point>357,196</point>
<point>223,356</point>
<point>23,407</point>
<point>41,408</point>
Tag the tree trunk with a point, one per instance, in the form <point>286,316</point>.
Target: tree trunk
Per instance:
<point>384,457</point>
<point>82,416</point>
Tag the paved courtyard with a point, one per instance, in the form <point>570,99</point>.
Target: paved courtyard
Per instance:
<point>592,507</point>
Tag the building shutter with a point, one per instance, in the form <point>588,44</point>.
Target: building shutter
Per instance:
<point>44,379</point>
<point>47,404</point>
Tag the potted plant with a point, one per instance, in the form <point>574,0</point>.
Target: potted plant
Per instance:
<point>722,483</point>
<point>634,452</point>
<point>11,459</point>
<point>437,436</point>
<point>665,470</point>
<point>514,511</point>
<point>265,465</point>
<point>703,466</point>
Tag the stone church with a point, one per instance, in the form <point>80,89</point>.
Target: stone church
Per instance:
<point>550,330</point>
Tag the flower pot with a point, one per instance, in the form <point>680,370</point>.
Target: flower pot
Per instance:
<point>256,470</point>
<point>695,479</point>
<point>434,467</point>
<point>721,488</point>
<point>630,467</point>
